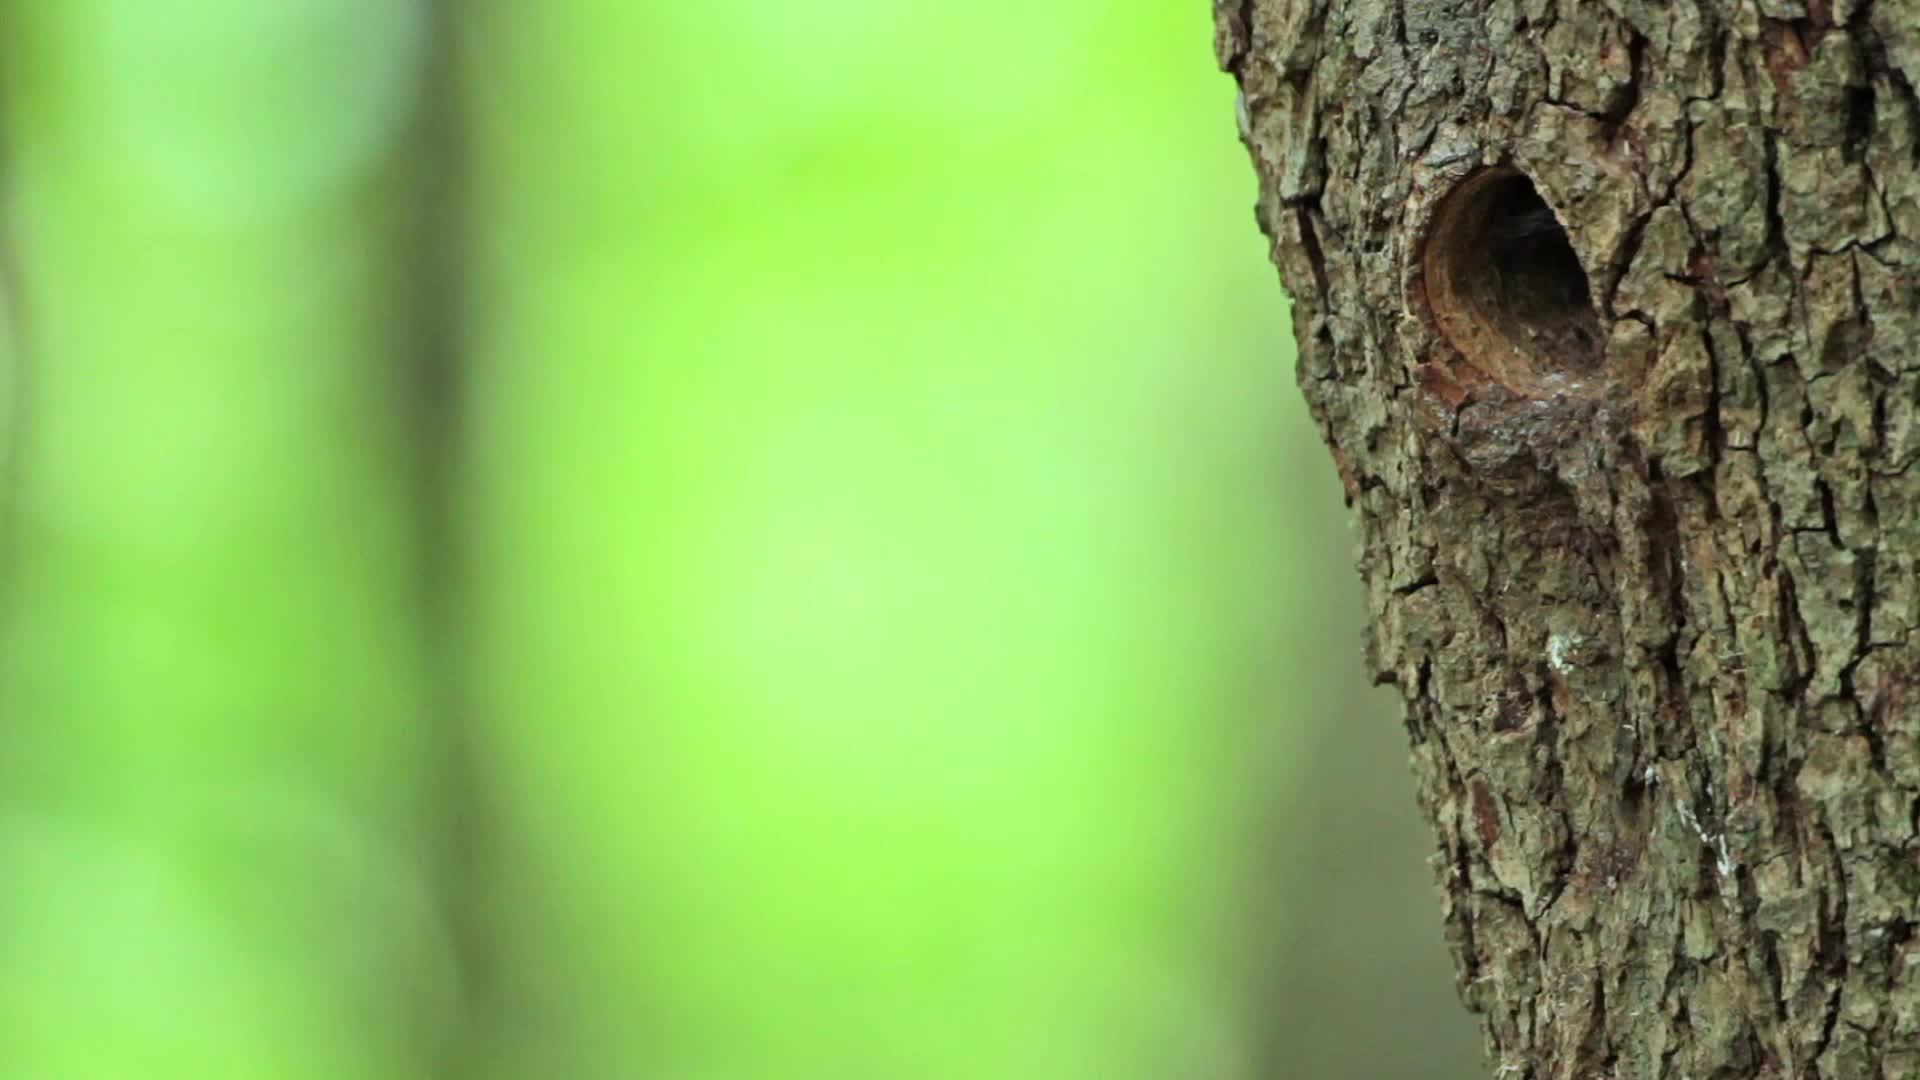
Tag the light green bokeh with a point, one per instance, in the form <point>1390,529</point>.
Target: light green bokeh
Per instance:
<point>873,427</point>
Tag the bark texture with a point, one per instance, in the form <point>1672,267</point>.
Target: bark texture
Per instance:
<point>1637,508</point>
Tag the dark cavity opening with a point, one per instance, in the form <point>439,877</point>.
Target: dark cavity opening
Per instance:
<point>1536,277</point>
<point>1506,287</point>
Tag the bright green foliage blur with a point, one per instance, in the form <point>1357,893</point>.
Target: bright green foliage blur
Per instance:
<point>865,601</point>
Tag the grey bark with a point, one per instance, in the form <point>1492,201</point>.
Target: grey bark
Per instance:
<point>1638,518</point>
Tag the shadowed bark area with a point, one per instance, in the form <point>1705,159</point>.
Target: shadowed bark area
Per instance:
<point>1638,524</point>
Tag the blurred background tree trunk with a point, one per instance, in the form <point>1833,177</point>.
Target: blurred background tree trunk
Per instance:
<point>1609,316</point>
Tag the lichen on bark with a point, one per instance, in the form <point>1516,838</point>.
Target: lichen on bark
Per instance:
<point>1653,614</point>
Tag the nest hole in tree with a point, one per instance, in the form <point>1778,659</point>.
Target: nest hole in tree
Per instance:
<point>1506,289</point>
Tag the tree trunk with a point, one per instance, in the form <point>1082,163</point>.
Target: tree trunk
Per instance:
<point>1609,315</point>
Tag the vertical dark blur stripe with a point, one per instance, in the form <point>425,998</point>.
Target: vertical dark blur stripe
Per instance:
<point>437,254</point>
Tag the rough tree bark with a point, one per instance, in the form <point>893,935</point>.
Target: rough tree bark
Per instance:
<point>1609,314</point>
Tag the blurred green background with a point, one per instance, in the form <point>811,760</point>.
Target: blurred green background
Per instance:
<point>674,541</point>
